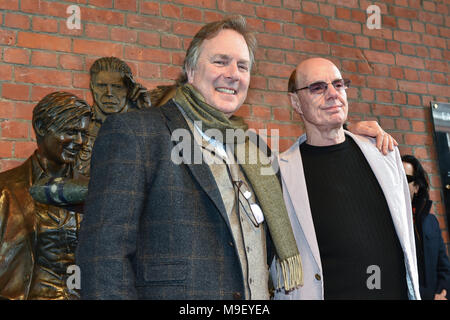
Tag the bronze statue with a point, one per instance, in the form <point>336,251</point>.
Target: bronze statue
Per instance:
<point>60,191</point>
<point>114,91</point>
<point>37,241</point>
<point>162,94</point>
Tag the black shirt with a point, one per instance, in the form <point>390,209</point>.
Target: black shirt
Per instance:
<point>358,245</point>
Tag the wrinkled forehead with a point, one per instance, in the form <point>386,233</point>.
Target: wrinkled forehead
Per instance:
<point>317,70</point>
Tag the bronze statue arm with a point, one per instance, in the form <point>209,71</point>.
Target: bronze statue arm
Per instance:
<point>60,191</point>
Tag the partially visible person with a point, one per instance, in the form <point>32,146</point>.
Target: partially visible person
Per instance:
<point>37,241</point>
<point>432,259</point>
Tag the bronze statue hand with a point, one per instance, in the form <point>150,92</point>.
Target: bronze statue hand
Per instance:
<point>138,93</point>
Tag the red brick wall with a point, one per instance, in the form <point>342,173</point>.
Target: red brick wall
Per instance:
<point>396,70</point>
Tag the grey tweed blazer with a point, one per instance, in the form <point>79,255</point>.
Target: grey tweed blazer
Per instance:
<point>153,229</point>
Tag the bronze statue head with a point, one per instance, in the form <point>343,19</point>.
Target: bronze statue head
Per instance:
<point>60,121</point>
<point>111,82</point>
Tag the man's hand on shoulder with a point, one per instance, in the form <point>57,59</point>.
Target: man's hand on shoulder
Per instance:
<point>385,142</point>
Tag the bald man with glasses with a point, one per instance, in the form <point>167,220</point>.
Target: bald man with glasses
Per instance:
<point>348,204</point>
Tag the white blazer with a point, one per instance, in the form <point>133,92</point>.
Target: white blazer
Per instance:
<point>391,176</point>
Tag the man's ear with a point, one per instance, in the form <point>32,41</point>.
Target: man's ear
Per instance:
<point>190,75</point>
<point>295,102</point>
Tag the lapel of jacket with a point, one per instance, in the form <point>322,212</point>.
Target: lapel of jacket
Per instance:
<point>392,183</point>
<point>389,172</point>
<point>200,171</point>
<point>386,172</point>
<point>294,182</point>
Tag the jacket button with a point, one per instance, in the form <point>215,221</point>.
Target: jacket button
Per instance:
<point>317,276</point>
<point>237,296</point>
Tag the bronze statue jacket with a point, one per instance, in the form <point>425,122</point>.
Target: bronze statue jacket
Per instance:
<point>37,241</point>
<point>17,223</point>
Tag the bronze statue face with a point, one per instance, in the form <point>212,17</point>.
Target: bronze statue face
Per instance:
<point>62,146</point>
<point>109,92</point>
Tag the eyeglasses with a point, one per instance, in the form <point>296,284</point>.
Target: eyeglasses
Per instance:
<point>320,87</point>
<point>410,178</point>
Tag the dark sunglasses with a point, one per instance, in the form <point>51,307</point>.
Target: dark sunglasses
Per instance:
<point>410,178</point>
<point>320,87</point>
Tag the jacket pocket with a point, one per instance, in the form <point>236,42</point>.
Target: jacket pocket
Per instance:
<point>163,272</point>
